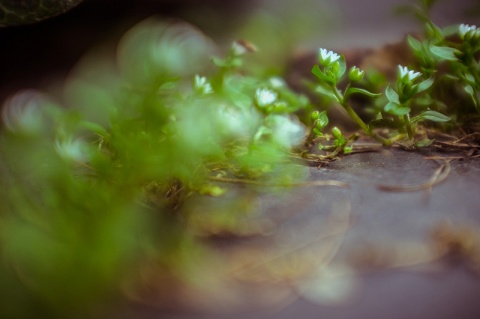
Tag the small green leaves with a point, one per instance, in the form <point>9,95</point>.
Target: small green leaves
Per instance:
<point>423,86</point>
<point>340,67</point>
<point>352,90</point>
<point>392,96</point>
<point>332,68</point>
<point>444,53</point>
<point>396,109</point>
<point>414,43</point>
<point>330,78</point>
<point>327,92</point>
<point>431,116</point>
<point>320,121</point>
<point>93,127</point>
<point>471,92</point>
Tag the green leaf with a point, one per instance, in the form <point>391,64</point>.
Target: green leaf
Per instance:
<point>433,31</point>
<point>471,92</point>
<point>392,96</point>
<point>351,91</point>
<point>326,92</point>
<point>422,86</point>
<point>414,44</point>
<point>433,116</point>
<point>396,109</point>
<point>94,127</point>
<point>321,75</point>
<point>342,67</point>
<point>218,62</point>
<point>322,120</point>
<point>445,53</point>
<point>317,132</point>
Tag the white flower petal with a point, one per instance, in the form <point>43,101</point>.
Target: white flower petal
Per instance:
<point>74,150</point>
<point>265,97</point>
<point>286,131</point>
<point>405,73</point>
<point>328,57</point>
<point>201,85</point>
<point>464,29</point>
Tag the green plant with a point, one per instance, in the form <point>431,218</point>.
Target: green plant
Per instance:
<point>450,55</point>
<point>330,72</point>
<point>93,191</point>
<point>400,99</point>
<point>96,190</point>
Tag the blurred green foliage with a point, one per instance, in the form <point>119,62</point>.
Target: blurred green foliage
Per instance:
<point>103,188</point>
<point>93,191</point>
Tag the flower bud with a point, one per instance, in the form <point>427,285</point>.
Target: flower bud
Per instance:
<point>337,133</point>
<point>355,74</point>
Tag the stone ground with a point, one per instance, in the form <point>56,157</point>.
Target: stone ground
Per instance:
<point>371,250</point>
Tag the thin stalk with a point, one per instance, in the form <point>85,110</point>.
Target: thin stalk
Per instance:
<point>354,116</point>
<point>408,125</point>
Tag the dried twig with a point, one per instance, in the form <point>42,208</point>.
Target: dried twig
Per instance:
<point>438,176</point>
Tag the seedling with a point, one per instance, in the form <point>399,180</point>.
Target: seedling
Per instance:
<point>330,72</point>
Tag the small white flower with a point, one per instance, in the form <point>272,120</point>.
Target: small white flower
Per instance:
<point>405,73</point>
<point>265,97</point>
<point>327,57</point>
<point>201,85</point>
<point>277,82</point>
<point>285,130</point>
<point>74,150</point>
<point>466,29</point>
<point>237,122</point>
<point>23,112</point>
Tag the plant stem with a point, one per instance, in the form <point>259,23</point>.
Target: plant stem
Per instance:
<point>354,116</point>
<point>408,125</point>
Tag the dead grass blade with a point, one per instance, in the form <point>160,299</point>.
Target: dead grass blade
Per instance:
<point>438,176</point>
